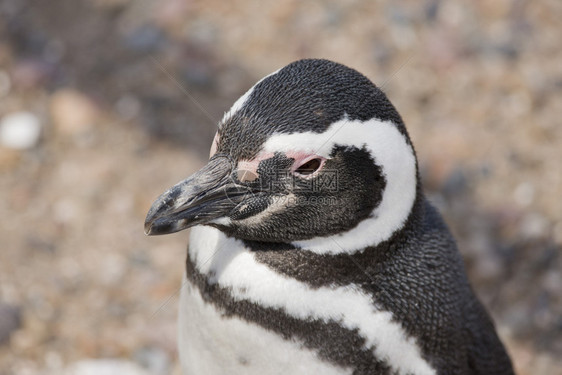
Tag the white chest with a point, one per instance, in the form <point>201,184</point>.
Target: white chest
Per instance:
<point>210,343</point>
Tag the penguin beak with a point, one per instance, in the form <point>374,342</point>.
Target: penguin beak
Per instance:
<point>208,194</point>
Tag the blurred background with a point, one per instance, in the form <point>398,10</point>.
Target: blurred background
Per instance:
<point>106,103</point>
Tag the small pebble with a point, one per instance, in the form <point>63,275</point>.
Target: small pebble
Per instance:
<point>10,320</point>
<point>20,130</point>
<point>534,225</point>
<point>72,112</point>
<point>104,367</point>
<point>155,359</point>
<point>524,194</point>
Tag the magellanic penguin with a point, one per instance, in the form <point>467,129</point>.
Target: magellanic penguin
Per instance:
<point>314,250</point>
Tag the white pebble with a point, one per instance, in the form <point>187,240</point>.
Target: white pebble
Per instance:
<point>20,130</point>
<point>524,194</point>
<point>105,367</point>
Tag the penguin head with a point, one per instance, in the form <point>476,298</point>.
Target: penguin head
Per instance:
<point>314,155</point>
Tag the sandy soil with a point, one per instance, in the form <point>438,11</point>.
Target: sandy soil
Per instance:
<point>127,95</point>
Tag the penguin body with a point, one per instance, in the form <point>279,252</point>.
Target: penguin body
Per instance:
<point>314,249</point>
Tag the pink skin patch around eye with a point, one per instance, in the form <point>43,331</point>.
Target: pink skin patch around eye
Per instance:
<point>303,158</point>
<point>248,169</point>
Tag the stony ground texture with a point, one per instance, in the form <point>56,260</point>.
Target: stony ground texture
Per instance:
<point>105,103</point>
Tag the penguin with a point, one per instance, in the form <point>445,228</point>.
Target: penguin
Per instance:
<point>313,249</point>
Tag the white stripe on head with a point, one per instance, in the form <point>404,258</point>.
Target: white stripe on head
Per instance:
<point>227,262</point>
<point>390,151</point>
<point>238,104</point>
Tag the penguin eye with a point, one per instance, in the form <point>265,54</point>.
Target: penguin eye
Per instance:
<point>309,167</point>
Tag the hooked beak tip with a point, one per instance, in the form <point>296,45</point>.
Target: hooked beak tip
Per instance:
<point>147,228</point>
<point>151,218</point>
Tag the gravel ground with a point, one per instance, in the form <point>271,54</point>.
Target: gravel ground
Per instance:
<point>105,103</point>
